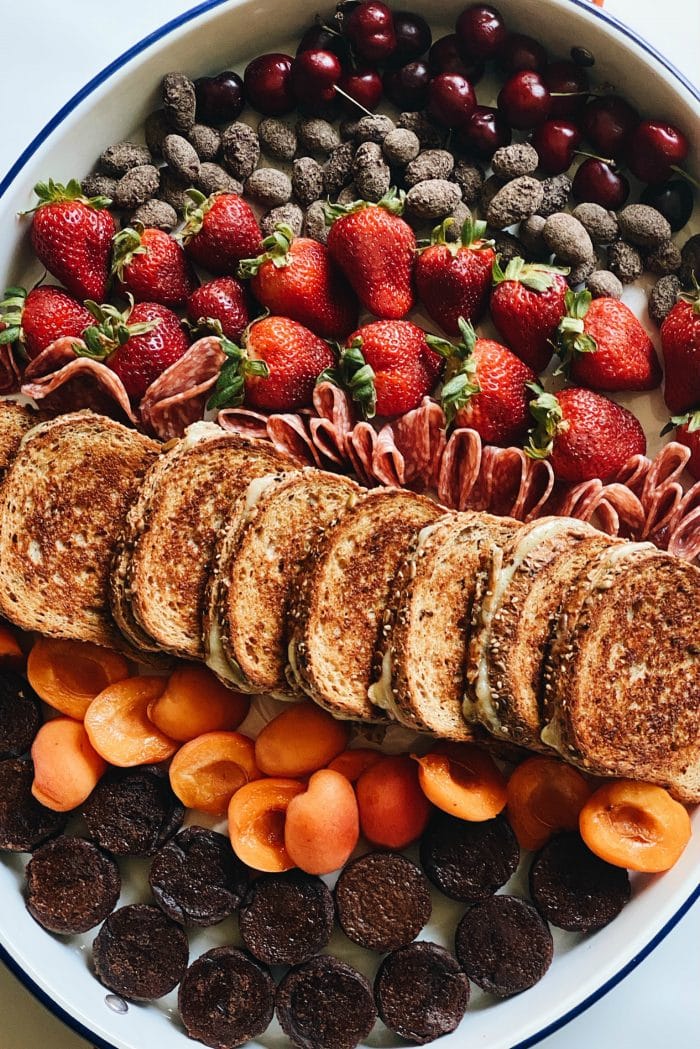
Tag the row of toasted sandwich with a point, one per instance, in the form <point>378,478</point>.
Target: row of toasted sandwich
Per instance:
<point>377,604</point>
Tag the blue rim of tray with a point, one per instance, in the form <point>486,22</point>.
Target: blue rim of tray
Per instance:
<point>58,118</point>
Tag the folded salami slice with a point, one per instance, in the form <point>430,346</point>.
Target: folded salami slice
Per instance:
<point>64,382</point>
<point>178,396</point>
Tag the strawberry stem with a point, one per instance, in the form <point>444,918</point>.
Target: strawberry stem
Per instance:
<point>356,376</point>
<point>534,275</point>
<point>54,193</point>
<point>229,391</point>
<point>546,411</point>
<point>572,338</point>
<point>690,419</point>
<point>276,246</point>
<point>393,201</point>
<point>111,331</point>
<point>11,310</point>
<point>461,385</point>
<point>125,245</point>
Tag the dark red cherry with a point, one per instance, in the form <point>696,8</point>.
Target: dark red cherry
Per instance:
<point>570,81</point>
<point>219,98</point>
<point>521,52</point>
<point>481,31</point>
<point>555,142</point>
<point>321,38</point>
<point>446,56</point>
<point>673,199</point>
<point>607,123</point>
<point>268,84</point>
<point>524,100</point>
<point>654,149</point>
<point>370,29</point>
<point>363,85</point>
<point>599,183</point>
<point>407,86</point>
<point>451,100</point>
<point>314,76</point>
<point>413,37</point>
<point>484,133</point>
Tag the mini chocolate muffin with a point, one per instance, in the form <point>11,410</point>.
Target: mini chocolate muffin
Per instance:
<point>196,878</point>
<point>132,812</point>
<point>72,885</point>
<point>19,714</point>
<point>140,953</point>
<point>226,998</point>
<point>573,888</point>
<point>468,861</point>
<point>325,1004</point>
<point>383,901</point>
<point>24,823</point>
<point>286,918</point>
<point>421,992</point>
<point>504,945</point>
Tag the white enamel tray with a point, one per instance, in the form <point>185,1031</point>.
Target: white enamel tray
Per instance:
<point>221,34</point>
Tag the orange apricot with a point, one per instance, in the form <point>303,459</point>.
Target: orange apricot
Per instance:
<point>352,763</point>
<point>256,819</point>
<point>66,766</point>
<point>118,725</point>
<point>463,780</point>
<point>299,741</point>
<point>322,825</point>
<point>195,702</point>
<point>394,810</point>
<point>545,796</point>
<point>69,674</point>
<point>207,771</point>
<point>635,825</point>
<point>11,654</point>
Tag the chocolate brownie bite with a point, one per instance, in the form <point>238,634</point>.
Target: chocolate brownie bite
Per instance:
<point>20,715</point>
<point>325,1004</point>
<point>468,861</point>
<point>383,901</point>
<point>72,885</point>
<point>421,992</point>
<point>24,823</point>
<point>286,918</point>
<point>504,945</point>
<point>133,812</point>
<point>573,888</point>
<point>196,878</point>
<point>226,998</point>
<point>140,953</point>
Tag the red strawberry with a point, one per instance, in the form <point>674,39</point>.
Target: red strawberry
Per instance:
<point>688,433</point>
<point>387,367</point>
<point>138,344</point>
<point>223,301</point>
<point>485,387</point>
<point>454,279</point>
<point>298,279</point>
<point>376,250</point>
<point>602,345</point>
<point>72,236</point>
<point>527,304</point>
<point>680,342</point>
<point>219,231</point>
<point>36,318</point>
<point>276,367</point>
<point>584,434</point>
<point>151,265</point>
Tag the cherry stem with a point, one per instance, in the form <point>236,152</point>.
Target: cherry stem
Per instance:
<point>685,175</point>
<point>570,94</point>
<point>353,100</point>
<point>594,156</point>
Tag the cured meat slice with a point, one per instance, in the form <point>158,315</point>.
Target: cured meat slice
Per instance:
<point>64,382</point>
<point>178,396</point>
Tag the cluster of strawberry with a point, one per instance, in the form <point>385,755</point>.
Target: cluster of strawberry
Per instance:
<point>312,293</point>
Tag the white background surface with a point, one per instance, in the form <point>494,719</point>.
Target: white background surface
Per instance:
<point>50,50</point>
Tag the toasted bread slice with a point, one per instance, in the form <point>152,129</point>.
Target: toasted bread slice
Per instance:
<point>339,604</point>
<point>425,651</point>
<point>257,563</point>
<point>161,570</point>
<point>622,684</point>
<point>15,420</point>
<point>65,501</point>
<point>517,603</point>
